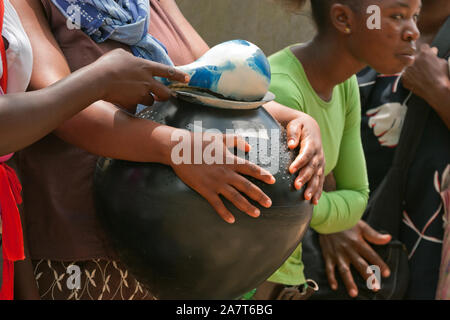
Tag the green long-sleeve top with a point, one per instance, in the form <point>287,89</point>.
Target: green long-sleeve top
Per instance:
<point>339,122</point>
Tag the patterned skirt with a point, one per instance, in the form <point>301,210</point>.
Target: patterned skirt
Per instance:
<point>87,280</point>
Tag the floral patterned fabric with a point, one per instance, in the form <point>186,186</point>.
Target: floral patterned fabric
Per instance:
<point>87,280</point>
<point>443,187</point>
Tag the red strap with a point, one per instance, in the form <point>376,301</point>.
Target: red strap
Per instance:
<point>4,79</point>
<point>12,239</point>
<point>9,199</point>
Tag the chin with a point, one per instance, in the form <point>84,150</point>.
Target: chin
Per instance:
<point>390,69</point>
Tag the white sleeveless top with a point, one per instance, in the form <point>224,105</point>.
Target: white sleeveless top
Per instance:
<point>19,53</point>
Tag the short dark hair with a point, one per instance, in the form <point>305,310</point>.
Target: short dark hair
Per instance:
<point>320,9</point>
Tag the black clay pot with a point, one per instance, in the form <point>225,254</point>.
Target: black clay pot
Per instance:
<point>172,240</point>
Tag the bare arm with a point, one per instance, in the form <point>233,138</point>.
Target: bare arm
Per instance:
<point>118,77</point>
<point>429,78</point>
<point>25,118</point>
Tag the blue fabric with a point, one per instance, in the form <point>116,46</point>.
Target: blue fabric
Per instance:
<point>125,21</point>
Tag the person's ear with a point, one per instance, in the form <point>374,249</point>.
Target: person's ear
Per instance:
<point>342,18</point>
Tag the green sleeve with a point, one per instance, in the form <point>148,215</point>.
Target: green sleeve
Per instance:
<point>342,209</point>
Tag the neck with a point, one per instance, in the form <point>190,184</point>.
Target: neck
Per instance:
<point>326,63</point>
<point>433,15</point>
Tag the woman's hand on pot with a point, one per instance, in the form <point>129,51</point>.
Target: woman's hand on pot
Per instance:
<point>217,172</point>
<point>351,247</point>
<point>128,80</point>
<point>304,132</point>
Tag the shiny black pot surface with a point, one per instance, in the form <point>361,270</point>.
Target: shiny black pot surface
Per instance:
<point>172,240</point>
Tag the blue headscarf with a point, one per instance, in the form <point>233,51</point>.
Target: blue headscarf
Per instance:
<point>125,21</point>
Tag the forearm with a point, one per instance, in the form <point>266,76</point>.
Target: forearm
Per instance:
<point>429,78</point>
<point>339,210</point>
<point>107,131</point>
<point>27,117</point>
<point>342,209</point>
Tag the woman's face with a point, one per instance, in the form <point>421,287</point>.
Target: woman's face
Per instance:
<point>390,48</point>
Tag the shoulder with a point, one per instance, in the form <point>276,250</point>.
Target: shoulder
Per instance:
<point>350,86</point>
<point>350,91</point>
<point>282,61</point>
<point>286,72</point>
<point>351,101</point>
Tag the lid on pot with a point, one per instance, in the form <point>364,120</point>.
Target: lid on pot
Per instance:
<point>208,99</point>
